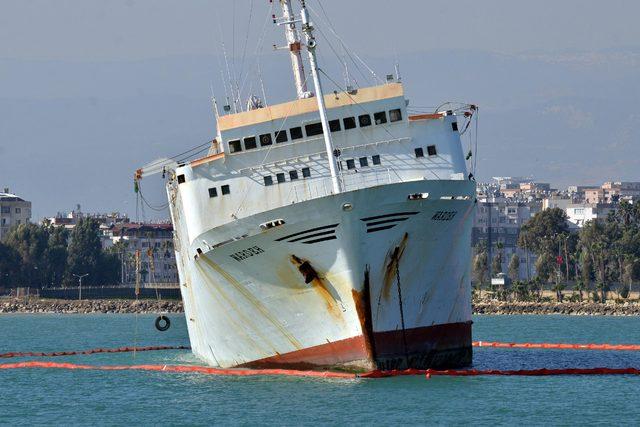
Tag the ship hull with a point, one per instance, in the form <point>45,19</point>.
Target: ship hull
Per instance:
<point>366,279</point>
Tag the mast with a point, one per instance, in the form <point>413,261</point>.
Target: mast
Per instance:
<point>294,46</point>
<point>298,74</point>
<point>307,29</point>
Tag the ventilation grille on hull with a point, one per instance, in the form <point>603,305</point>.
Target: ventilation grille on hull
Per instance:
<point>385,222</point>
<point>312,235</point>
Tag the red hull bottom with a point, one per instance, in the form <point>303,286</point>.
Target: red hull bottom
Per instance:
<point>439,347</point>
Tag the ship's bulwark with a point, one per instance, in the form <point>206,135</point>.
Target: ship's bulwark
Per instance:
<point>382,285</point>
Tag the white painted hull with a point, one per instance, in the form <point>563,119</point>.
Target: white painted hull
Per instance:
<point>322,290</point>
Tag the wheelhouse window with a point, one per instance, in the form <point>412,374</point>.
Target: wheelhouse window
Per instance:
<point>363,162</point>
<point>265,139</point>
<point>364,120</point>
<point>213,192</point>
<point>293,175</point>
<point>351,164</point>
<point>349,123</point>
<point>419,152</point>
<point>334,125</point>
<point>235,146</point>
<point>306,172</point>
<point>181,180</point>
<point>225,190</point>
<point>431,150</point>
<point>296,133</point>
<point>313,129</point>
<point>280,177</point>
<point>380,117</point>
<point>375,159</point>
<point>281,136</point>
<point>268,180</point>
<point>395,115</point>
<point>250,143</point>
<point>454,126</point>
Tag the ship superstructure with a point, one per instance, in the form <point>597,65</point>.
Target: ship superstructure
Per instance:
<point>329,231</point>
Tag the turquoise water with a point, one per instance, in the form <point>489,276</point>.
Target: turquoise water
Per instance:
<point>60,397</point>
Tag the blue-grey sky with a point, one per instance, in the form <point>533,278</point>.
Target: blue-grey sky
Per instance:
<point>90,90</point>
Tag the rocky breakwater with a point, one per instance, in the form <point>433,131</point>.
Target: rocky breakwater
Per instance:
<point>568,308</point>
<point>88,306</point>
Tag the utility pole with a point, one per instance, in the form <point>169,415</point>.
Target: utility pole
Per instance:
<point>80,276</point>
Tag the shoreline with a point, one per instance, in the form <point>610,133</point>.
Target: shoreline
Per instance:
<point>148,306</point>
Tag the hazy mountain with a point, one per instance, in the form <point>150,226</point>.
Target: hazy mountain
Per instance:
<point>74,132</point>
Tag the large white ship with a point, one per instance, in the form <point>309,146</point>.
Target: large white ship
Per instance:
<point>327,232</point>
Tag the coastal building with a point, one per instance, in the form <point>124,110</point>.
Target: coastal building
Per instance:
<point>579,214</point>
<point>613,192</point>
<point>14,211</point>
<point>70,219</point>
<point>143,248</point>
<point>497,223</point>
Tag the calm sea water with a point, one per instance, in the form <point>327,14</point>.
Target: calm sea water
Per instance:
<point>60,397</point>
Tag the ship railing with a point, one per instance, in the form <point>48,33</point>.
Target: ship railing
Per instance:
<point>314,188</point>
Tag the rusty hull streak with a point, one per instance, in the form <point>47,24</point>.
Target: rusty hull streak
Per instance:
<point>253,301</point>
<point>391,265</point>
<point>324,288</point>
<point>362,302</point>
<point>244,320</point>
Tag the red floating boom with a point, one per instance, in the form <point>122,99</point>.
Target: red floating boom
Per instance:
<point>561,346</point>
<point>92,351</point>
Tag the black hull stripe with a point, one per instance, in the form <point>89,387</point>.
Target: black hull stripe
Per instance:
<point>388,215</point>
<point>307,231</point>
<point>385,227</point>
<point>386,221</point>
<point>320,240</point>
<point>308,236</point>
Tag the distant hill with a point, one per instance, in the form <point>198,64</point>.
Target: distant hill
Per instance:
<point>73,132</point>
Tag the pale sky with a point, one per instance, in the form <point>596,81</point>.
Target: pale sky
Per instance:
<point>136,29</point>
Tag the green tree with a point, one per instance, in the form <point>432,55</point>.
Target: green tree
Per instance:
<point>543,231</point>
<point>514,268</point>
<point>85,256</point>
<point>480,265</point>
<point>10,267</point>
<point>55,255</point>
<point>545,267</point>
<point>496,264</point>
<point>30,242</point>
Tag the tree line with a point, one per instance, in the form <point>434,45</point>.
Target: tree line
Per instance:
<point>601,255</point>
<point>41,255</point>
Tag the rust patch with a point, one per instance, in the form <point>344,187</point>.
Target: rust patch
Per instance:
<point>362,301</point>
<point>391,265</point>
<point>320,284</point>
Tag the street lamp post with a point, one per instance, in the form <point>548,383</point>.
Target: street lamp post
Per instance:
<point>80,276</point>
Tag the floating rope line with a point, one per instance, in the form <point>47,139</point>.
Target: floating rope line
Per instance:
<point>91,351</point>
<point>561,346</point>
<point>532,372</point>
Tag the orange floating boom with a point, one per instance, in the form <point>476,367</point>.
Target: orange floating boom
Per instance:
<point>561,346</point>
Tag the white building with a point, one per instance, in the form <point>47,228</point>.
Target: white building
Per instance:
<point>579,214</point>
<point>13,211</point>
<point>152,244</point>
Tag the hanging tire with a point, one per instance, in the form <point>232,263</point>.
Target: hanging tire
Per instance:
<point>162,323</point>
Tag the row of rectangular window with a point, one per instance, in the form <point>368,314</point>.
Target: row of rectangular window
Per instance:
<point>281,177</point>
<point>431,151</point>
<point>363,161</point>
<point>224,189</point>
<point>314,129</point>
